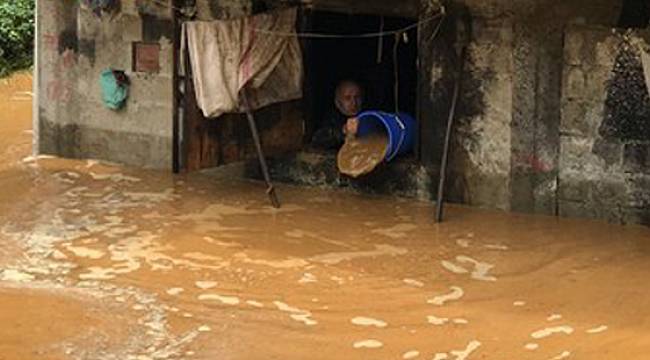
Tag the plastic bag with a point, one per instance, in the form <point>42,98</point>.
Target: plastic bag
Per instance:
<point>115,88</point>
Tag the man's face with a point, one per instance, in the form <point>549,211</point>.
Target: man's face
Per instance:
<point>349,99</point>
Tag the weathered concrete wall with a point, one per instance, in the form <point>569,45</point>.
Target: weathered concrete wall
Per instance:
<point>76,46</point>
<point>605,129</point>
<point>539,36</point>
<point>506,145</point>
<point>56,76</point>
<point>482,140</point>
<point>480,157</point>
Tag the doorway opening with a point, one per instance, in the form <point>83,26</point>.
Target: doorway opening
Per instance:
<point>385,67</point>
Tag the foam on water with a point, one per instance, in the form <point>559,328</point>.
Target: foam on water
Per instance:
<point>413,282</point>
<point>175,291</point>
<point>227,300</point>
<point>437,320</point>
<point>598,329</point>
<point>297,314</point>
<point>366,321</point>
<point>455,294</point>
<point>205,285</point>
<point>540,334</point>
<point>563,355</point>
<point>411,354</point>
<point>554,317</point>
<point>465,353</point>
<point>368,344</point>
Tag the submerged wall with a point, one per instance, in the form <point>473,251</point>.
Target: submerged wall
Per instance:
<point>506,147</point>
<point>605,128</point>
<point>74,47</point>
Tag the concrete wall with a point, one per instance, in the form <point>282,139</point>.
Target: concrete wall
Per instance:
<point>605,129</point>
<point>506,146</point>
<point>483,142</point>
<point>75,46</point>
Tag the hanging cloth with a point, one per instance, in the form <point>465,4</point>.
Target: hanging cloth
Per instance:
<point>260,53</point>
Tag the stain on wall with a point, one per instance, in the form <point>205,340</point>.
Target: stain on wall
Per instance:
<point>604,167</point>
<point>627,106</point>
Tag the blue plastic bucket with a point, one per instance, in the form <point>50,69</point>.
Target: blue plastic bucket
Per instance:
<point>400,129</point>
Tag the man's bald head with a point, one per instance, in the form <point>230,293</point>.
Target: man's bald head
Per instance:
<point>349,98</point>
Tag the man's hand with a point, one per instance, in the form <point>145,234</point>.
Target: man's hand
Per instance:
<point>351,126</point>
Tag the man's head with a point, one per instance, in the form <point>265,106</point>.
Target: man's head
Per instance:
<point>349,98</point>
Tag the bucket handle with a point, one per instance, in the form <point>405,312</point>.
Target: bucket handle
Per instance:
<point>401,138</point>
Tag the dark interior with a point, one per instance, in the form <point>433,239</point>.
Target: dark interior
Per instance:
<point>328,61</point>
<point>635,14</point>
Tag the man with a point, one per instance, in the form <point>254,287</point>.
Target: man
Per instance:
<point>348,101</point>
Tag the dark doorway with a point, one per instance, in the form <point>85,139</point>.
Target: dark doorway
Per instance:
<point>635,14</point>
<point>364,60</point>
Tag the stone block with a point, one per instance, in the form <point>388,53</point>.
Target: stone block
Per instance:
<point>149,88</point>
<point>607,191</point>
<point>596,81</point>
<point>574,189</point>
<point>574,122</point>
<point>574,87</point>
<point>606,51</point>
<point>636,157</point>
<point>636,216</point>
<point>573,44</point>
<point>132,26</point>
<point>574,209</point>
<point>639,191</point>
<point>573,153</point>
<point>609,150</point>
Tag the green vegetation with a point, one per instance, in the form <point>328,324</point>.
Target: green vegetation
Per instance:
<point>16,35</point>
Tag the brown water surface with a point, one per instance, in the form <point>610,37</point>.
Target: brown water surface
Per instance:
<point>105,262</point>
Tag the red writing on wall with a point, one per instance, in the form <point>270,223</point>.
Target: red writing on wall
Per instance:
<point>59,90</point>
<point>535,163</point>
<point>51,42</point>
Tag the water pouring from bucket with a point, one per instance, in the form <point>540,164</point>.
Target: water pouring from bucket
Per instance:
<point>380,137</point>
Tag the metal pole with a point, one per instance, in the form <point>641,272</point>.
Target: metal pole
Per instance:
<point>260,154</point>
<point>450,123</point>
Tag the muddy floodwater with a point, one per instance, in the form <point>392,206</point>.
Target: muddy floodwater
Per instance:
<point>359,156</point>
<point>100,261</point>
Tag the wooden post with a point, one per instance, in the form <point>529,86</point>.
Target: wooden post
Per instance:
<point>260,154</point>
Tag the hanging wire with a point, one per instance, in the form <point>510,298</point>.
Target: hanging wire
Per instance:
<point>380,42</point>
<point>309,35</point>
<point>398,38</point>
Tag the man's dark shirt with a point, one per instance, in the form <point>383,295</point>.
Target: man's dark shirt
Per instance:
<point>330,134</point>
